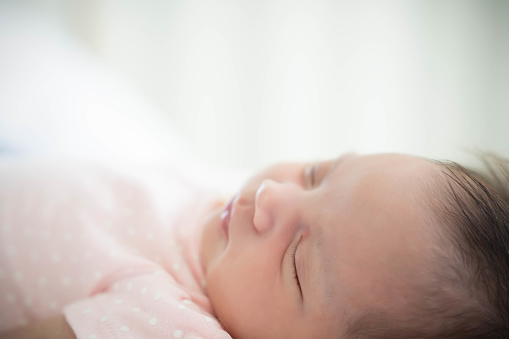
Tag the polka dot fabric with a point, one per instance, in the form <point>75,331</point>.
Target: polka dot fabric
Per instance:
<point>116,251</point>
<point>159,312</point>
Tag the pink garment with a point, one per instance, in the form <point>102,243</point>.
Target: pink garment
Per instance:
<point>116,252</point>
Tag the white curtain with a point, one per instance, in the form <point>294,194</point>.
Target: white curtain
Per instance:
<point>253,82</point>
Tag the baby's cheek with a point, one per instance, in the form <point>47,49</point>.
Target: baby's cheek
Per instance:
<point>234,307</point>
<point>221,290</point>
<point>213,243</point>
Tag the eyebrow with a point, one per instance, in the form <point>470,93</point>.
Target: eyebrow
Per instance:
<point>331,167</point>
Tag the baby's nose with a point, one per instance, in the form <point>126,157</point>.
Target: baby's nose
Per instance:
<point>270,200</point>
<point>262,217</point>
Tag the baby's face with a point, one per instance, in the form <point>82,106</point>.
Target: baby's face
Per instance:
<point>303,249</point>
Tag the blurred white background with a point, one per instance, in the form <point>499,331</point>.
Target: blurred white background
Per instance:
<point>248,83</point>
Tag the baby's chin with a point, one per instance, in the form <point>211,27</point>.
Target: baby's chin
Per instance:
<point>213,242</point>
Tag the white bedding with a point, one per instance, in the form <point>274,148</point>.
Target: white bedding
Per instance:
<point>57,100</point>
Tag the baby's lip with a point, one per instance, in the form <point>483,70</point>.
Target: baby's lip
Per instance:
<point>226,215</point>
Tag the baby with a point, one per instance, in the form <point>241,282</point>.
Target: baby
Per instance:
<point>378,246</point>
<point>381,246</point>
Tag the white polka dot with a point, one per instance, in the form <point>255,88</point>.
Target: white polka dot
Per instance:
<point>157,258</point>
<point>116,286</point>
<point>11,298</point>
<point>118,301</point>
<point>55,258</point>
<point>157,296</point>
<point>129,285</point>
<point>113,253</point>
<point>136,309</point>
<point>143,290</point>
<point>107,204</point>
<point>131,231</point>
<point>29,302</point>
<point>7,227</point>
<point>66,281</point>
<point>177,333</point>
<point>34,257</point>
<point>11,251</point>
<point>181,307</point>
<point>158,273</point>
<point>103,319</point>
<point>176,267</point>
<point>153,321</point>
<point>18,276</point>
<point>88,254</point>
<point>45,213</point>
<point>150,236</point>
<point>92,336</point>
<point>86,311</point>
<point>98,274</point>
<point>42,280</point>
<point>83,218</point>
<point>46,234</point>
<point>124,329</point>
<point>53,305</point>
<point>209,319</point>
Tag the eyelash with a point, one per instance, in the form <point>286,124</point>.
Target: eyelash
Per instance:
<point>313,176</point>
<point>294,251</point>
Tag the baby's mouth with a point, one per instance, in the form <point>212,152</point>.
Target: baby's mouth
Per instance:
<point>226,216</point>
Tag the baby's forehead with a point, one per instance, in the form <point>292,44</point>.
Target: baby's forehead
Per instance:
<point>402,169</point>
<point>386,181</point>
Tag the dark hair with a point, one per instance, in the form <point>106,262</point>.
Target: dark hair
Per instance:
<point>470,296</point>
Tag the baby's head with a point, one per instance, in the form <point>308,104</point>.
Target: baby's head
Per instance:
<point>362,246</point>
